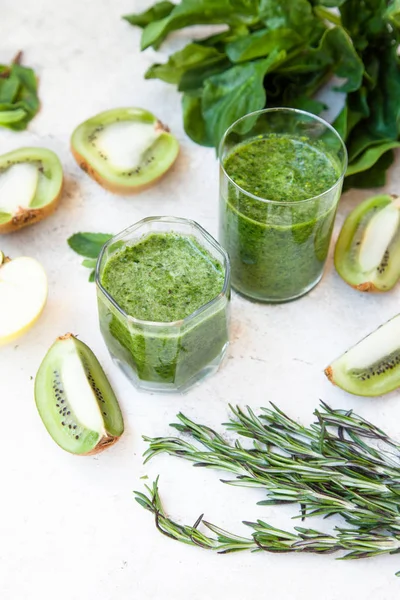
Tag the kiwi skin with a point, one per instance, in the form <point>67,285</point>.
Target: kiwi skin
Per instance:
<point>29,216</point>
<point>109,117</point>
<point>43,385</point>
<point>115,188</point>
<point>349,227</point>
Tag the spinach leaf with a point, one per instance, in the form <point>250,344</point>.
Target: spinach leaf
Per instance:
<point>194,12</point>
<point>373,177</point>
<point>335,51</point>
<point>261,43</point>
<point>297,16</point>
<point>370,156</point>
<point>282,52</point>
<point>194,79</point>
<point>233,94</point>
<point>19,100</point>
<point>179,63</point>
<point>88,244</point>
<point>156,12</point>
<point>193,120</point>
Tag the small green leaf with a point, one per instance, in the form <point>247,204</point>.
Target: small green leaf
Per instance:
<point>90,263</point>
<point>92,276</point>
<point>88,244</point>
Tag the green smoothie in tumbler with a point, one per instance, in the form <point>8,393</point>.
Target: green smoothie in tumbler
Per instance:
<point>164,278</point>
<point>278,202</point>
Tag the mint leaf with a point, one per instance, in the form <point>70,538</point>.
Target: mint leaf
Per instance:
<point>90,263</point>
<point>88,244</point>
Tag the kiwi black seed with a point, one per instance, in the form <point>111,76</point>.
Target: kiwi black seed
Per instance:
<point>372,367</point>
<point>80,425</point>
<point>363,228</point>
<point>31,181</point>
<point>124,150</point>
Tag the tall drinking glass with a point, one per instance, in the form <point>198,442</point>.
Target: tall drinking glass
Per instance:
<point>281,176</point>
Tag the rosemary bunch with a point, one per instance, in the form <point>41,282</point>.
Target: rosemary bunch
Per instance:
<point>340,465</point>
<point>328,468</point>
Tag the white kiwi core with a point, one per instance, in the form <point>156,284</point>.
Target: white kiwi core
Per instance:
<point>382,342</point>
<point>81,397</point>
<point>18,185</point>
<point>124,143</point>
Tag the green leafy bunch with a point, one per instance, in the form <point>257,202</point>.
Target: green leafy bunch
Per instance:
<point>19,100</point>
<point>279,53</point>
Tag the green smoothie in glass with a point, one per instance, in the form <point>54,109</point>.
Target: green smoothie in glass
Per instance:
<point>163,302</point>
<point>281,177</point>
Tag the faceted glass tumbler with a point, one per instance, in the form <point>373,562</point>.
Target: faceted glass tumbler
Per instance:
<point>158,356</point>
<point>278,249</point>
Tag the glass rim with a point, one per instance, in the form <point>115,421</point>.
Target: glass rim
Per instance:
<point>293,111</point>
<point>198,311</point>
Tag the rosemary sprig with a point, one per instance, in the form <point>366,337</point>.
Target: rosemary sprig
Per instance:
<point>270,539</point>
<point>340,465</point>
<point>327,468</point>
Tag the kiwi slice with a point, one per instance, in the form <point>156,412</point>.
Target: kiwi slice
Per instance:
<point>125,150</point>
<point>75,400</point>
<point>30,187</point>
<point>372,367</point>
<point>367,253</point>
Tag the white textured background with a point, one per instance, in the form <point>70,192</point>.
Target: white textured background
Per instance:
<point>69,526</point>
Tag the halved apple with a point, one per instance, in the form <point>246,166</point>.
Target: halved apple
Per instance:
<point>23,295</point>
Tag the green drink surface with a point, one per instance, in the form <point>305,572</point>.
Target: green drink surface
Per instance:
<point>278,248</point>
<point>165,277</point>
<point>281,168</point>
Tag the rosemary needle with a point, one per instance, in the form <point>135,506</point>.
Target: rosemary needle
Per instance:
<point>340,465</point>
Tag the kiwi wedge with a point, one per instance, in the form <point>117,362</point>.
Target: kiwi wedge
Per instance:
<point>372,367</point>
<point>30,187</point>
<point>75,400</point>
<point>367,253</point>
<point>125,150</point>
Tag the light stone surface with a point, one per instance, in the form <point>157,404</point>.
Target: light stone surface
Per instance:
<point>69,527</point>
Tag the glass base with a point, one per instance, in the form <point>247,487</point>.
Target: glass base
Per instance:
<point>171,388</point>
<point>254,298</point>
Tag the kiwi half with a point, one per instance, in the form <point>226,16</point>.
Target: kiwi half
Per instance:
<point>125,150</point>
<point>75,400</point>
<point>30,187</point>
<point>367,253</point>
<point>372,367</point>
